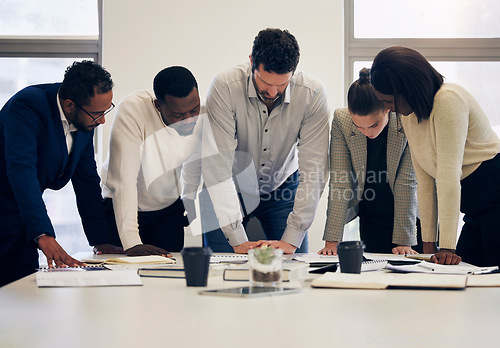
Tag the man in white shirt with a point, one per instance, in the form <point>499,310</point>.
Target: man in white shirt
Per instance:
<point>279,118</point>
<point>154,138</point>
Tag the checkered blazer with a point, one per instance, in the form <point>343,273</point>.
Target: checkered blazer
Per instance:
<point>348,173</point>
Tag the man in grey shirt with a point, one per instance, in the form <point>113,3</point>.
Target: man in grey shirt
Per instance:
<point>279,118</point>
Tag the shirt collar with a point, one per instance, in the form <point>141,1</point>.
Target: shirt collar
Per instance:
<point>252,92</point>
<point>64,120</point>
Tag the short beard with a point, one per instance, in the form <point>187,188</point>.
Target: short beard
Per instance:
<point>85,129</point>
<point>269,100</point>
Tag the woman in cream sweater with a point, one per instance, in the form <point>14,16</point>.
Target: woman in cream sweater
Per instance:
<point>454,152</point>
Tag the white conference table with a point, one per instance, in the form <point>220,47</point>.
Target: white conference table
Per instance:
<point>165,313</point>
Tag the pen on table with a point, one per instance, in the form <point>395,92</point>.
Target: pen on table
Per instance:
<point>427,265</point>
<point>235,261</point>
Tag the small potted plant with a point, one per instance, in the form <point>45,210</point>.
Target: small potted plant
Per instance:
<point>266,266</point>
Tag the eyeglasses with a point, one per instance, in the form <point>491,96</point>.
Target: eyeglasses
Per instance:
<point>99,114</point>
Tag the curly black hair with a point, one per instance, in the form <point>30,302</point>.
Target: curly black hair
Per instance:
<point>277,50</point>
<point>82,80</point>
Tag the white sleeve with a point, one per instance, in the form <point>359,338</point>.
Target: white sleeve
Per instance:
<point>124,166</point>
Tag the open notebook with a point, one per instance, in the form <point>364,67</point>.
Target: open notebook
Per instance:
<point>139,260</point>
<point>120,259</point>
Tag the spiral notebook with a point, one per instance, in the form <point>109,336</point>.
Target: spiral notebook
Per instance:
<point>368,265</point>
<point>94,267</point>
<point>373,265</point>
<point>228,258</point>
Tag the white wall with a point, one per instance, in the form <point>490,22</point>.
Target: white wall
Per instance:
<point>207,37</point>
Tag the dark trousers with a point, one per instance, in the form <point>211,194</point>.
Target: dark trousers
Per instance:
<point>162,228</point>
<point>19,261</point>
<point>480,202</point>
<point>377,235</point>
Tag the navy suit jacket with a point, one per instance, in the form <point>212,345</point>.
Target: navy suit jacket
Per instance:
<point>34,157</point>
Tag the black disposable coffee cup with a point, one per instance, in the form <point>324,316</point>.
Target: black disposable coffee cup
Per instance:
<point>196,265</point>
<point>350,256</point>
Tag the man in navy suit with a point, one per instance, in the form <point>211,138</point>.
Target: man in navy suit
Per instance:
<point>46,139</point>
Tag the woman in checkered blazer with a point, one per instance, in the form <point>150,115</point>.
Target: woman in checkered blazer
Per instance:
<point>371,176</point>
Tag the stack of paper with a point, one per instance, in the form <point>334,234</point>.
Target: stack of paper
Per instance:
<point>430,267</point>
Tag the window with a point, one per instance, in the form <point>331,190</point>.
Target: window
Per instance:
<point>460,38</point>
<point>39,39</point>
<point>426,19</point>
<point>19,72</point>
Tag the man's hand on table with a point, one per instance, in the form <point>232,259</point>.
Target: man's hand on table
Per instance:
<point>244,247</point>
<point>108,249</point>
<point>279,244</point>
<point>55,254</point>
<point>146,249</point>
<point>446,257</point>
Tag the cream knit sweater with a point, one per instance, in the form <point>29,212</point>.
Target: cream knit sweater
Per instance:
<point>445,149</point>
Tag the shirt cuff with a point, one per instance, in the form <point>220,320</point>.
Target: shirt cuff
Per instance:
<point>37,238</point>
<point>235,233</point>
<point>294,238</point>
<point>130,240</point>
